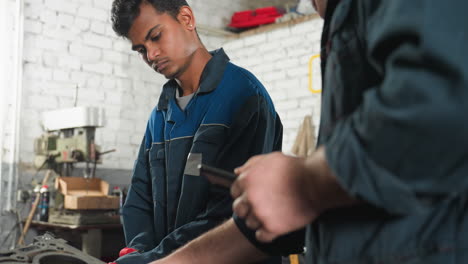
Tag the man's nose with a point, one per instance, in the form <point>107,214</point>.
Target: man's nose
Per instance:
<point>152,53</point>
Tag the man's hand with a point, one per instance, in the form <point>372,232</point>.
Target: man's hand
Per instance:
<point>278,194</point>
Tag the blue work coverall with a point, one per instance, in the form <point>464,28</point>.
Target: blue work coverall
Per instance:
<point>230,118</point>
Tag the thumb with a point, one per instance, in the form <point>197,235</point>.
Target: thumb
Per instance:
<point>246,165</point>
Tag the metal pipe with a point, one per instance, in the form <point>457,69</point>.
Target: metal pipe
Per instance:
<point>3,84</point>
<point>17,99</point>
<point>18,87</point>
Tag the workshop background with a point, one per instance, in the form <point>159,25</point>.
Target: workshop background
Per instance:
<point>51,47</point>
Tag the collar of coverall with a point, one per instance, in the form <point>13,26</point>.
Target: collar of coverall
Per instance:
<point>210,78</point>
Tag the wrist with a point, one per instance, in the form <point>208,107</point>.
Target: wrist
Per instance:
<point>324,191</point>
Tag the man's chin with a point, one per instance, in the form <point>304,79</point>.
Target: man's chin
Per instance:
<point>170,75</point>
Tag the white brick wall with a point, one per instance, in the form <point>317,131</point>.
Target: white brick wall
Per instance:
<point>70,44</point>
<point>280,59</point>
<point>73,44</point>
<point>216,13</point>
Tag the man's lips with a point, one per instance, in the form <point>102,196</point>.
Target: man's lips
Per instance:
<point>159,66</point>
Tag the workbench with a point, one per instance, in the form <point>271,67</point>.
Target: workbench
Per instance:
<point>91,236</point>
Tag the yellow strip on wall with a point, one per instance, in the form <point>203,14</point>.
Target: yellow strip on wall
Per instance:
<point>311,68</point>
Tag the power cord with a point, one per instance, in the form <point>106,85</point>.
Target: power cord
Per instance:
<point>17,225</point>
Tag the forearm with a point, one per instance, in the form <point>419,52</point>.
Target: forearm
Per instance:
<point>323,190</point>
<point>224,244</point>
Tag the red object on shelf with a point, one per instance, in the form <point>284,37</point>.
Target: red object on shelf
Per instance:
<point>257,17</point>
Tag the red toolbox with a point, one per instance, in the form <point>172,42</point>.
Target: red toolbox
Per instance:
<point>253,18</point>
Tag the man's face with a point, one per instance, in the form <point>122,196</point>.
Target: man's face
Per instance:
<point>320,6</point>
<point>163,43</point>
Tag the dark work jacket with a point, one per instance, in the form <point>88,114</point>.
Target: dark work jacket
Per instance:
<point>230,118</point>
<point>395,126</point>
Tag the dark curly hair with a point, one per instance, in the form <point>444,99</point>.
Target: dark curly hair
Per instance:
<point>124,12</point>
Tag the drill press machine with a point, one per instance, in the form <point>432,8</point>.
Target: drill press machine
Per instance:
<point>69,139</point>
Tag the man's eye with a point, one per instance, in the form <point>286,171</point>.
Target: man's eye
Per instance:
<point>156,38</point>
<point>141,51</point>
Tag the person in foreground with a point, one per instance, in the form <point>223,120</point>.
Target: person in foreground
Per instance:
<point>388,182</point>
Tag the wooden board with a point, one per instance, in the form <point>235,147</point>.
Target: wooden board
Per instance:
<point>80,218</point>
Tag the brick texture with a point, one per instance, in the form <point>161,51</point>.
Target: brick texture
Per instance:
<point>72,44</point>
<point>109,75</point>
<point>280,59</point>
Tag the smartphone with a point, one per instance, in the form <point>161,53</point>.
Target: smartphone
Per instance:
<point>217,176</point>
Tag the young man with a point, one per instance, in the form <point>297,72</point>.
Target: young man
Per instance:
<point>209,106</point>
<point>388,183</point>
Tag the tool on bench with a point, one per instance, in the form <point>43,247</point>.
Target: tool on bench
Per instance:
<point>195,167</point>
<point>217,176</point>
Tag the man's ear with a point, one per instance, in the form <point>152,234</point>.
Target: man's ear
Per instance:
<point>186,18</point>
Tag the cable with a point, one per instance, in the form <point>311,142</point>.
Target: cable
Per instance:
<point>18,224</point>
<point>8,235</point>
<point>18,220</point>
